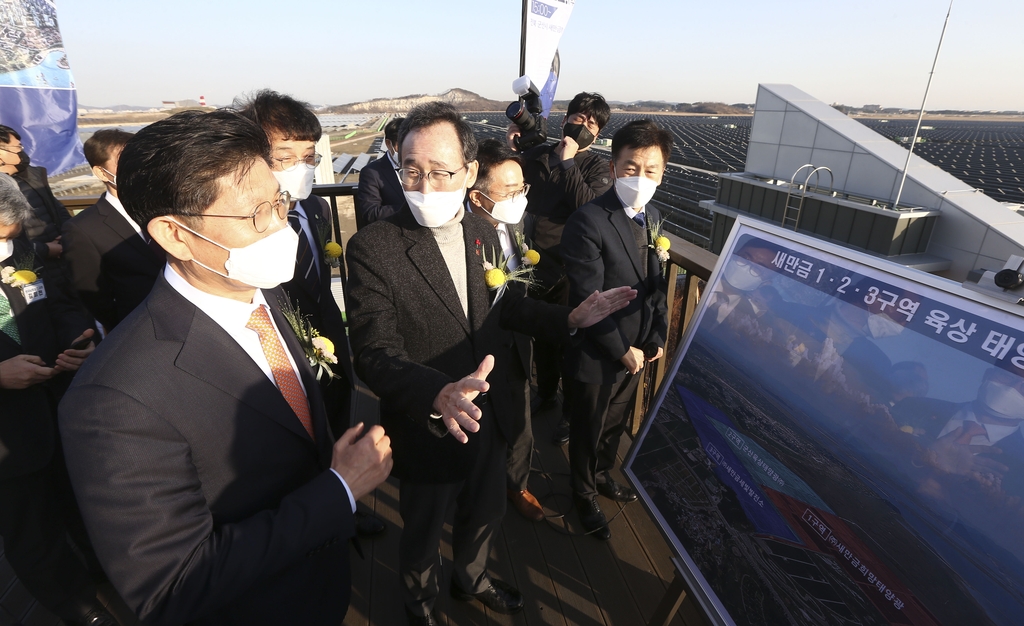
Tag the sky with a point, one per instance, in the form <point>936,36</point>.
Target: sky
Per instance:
<point>141,52</point>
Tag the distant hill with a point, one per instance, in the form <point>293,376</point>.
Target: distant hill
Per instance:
<point>460,98</point>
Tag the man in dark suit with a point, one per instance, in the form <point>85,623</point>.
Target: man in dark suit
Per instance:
<point>380,193</point>
<point>499,196</point>
<point>38,324</point>
<point>429,338</point>
<point>196,436</point>
<point>113,262</point>
<point>293,131</point>
<point>613,241</point>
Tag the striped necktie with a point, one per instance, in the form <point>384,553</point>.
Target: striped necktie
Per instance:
<point>305,259</point>
<point>8,324</point>
<point>284,375</point>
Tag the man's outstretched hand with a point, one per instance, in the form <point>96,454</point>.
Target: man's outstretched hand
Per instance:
<point>600,305</point>
<point>455,402</point>
<point>363,462</point>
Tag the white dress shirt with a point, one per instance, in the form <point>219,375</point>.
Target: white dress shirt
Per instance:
<point>114,202</point>
<point>506,240</point>
<point>233,316</point>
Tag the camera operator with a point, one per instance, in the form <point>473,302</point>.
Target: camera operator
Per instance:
<point>562,178</point>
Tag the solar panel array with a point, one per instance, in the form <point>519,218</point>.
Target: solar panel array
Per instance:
<point>985,155</point>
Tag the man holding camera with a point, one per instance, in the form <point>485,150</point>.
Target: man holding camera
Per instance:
<point>562,178</point>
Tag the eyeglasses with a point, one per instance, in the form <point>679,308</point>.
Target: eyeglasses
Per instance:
<point>512,195</point>
<point>261,216</point>
<point>288,163</point>
<point>438,179</point>
<point>20,150</point>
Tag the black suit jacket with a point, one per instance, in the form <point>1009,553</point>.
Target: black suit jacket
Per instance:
<point>410,338</point>
<point>600,253</point>
<point>112,268</point>
<point>46,327</point>
<point>379,194</point>
<point>325,316</point>
<point>50,214</point>
<point>204,497</point>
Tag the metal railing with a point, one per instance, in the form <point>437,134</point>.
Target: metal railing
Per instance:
<point>687,271</point>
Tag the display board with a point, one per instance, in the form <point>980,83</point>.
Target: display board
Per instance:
<point>838,442</point>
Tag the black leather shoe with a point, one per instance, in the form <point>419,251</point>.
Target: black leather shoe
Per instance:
<point>592,518</point>
<point>561,434</point>
<point>498,596</point>
<point>98,617</point>
<point>421,620</point>
<point>367,525</point>
<point>616,491</point>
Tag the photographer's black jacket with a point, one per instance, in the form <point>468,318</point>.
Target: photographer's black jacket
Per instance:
<point>558,188</point>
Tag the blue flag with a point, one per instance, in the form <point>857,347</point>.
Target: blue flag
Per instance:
<point>37,91</point>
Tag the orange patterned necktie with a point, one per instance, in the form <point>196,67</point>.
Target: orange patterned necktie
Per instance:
<point>284,375</point>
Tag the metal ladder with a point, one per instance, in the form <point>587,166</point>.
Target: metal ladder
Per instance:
<point>791,215</point>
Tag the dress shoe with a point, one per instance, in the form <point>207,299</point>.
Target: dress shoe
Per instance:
<point>526,504</point>
<point>98,617</point>
<point>498,596</point>
<point>421,620</point>
<point>561,434</point>
<point>592,518</point>
<point>367,525</point>
<point>616,491</point>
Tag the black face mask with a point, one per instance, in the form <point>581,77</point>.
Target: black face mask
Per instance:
<point>579,134</point>
<point>23,164</point>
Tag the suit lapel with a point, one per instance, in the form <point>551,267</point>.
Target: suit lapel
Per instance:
<point>618,219</point>
<point>312,217</point>
<point>210,354</point>
<point>426,257</point>
<point>317,412</point>
<point>480,297</point>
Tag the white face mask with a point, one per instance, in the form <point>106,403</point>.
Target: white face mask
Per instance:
<point>264,264</point>
<point>297,181</point>
<point>634,191</point>
<point>508,211</point>
<point>6,249</point>
<point>1003,400</point>
<point>435,208</point>
<point>743,275</point>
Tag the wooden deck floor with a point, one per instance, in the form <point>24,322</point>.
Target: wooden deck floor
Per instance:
<point>565,577</point>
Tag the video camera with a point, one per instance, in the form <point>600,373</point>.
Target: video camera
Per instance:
<point>526,114</point>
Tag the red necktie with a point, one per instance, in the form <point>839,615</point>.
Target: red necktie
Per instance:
<point>284,375</point>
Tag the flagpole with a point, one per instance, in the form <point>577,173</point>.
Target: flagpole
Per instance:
<point>920,116</point>
<point>522,39</point>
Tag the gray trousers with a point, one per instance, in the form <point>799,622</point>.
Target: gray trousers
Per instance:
<point>478,502</point>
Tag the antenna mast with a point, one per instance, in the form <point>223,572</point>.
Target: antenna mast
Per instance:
<point>920,116</point>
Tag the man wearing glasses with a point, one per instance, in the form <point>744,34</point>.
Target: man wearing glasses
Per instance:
<point>499,196</point>
<point>432,341</point>
<point>197,442</point>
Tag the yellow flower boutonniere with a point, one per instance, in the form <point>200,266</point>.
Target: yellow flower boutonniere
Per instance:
<point>332,249</point>
<point>529,256</point>
<point>497,274</point>
<point>319,350</point>
<point>659,242</point>
<point>20,274</point>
